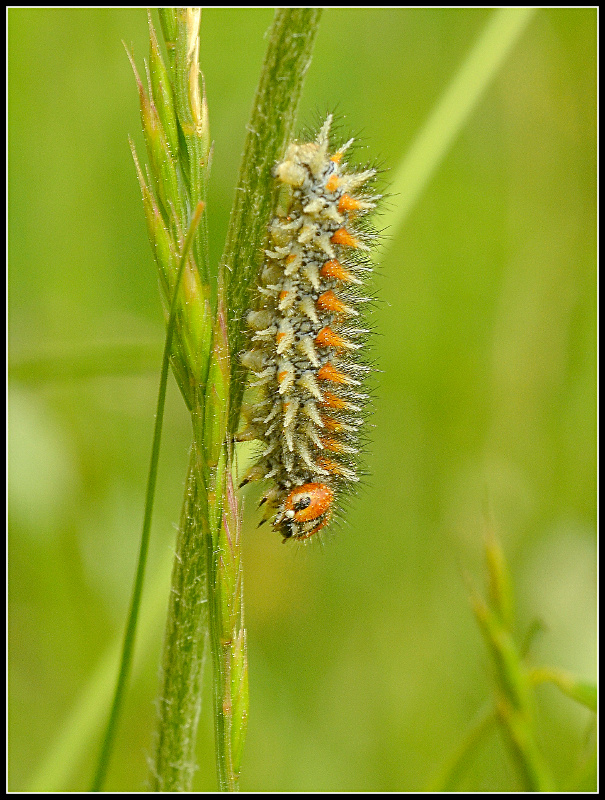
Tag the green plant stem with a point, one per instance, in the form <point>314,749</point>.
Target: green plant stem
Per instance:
<point>228,639</point>
<point>514,702</point>
<point>185,644</point>
<point>175,121</point>
<point>584,692</point>
<point>198,585</point>
<point>129,636</point>
<point>271,126</point>
<point>288,54</point>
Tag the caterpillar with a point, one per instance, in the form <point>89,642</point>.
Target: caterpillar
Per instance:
<point>306,337</point>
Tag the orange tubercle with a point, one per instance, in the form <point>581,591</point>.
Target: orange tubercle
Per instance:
<point>332,183</point>
<point>331,425</point>
<point>329,302</point>
<point>332,444</point>
<point>329,373</point>
<point>330,466</point>
<point>342,236</point>
<point>333,401</point>
<point>348,203</point>
<point>334,269</point>
<point>327,338</point>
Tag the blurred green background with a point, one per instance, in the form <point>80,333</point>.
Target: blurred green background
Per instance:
<point>366,665</point>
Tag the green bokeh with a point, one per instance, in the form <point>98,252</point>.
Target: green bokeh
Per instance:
<point>365,663</point>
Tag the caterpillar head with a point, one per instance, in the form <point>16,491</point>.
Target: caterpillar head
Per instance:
<point>304,511</point>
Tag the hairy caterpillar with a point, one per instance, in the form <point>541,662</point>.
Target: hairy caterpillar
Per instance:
<point>306,337</point>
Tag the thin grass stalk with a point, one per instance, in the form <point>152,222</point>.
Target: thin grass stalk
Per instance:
<point>514,701</point>
<point>185,645</point>
<point>131,626</point>
<point>582,691</point>
<point>513,704</point>
<point>229,645</point>
<point>175,125</point>
<point>210,523</point>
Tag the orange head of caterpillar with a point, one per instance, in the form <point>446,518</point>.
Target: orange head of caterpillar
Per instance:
<point>304,511</point>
